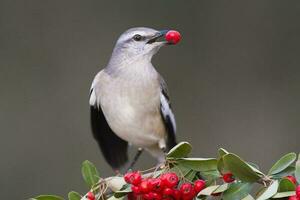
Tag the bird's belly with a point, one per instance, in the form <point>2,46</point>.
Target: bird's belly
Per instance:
<point>136,121</point>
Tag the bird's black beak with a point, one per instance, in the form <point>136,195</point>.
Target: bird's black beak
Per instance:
<point>157,36</point>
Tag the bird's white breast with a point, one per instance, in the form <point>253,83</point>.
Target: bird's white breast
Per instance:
<point>131,105</point>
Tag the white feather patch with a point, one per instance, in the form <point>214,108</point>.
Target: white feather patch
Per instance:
<point>166,110</point>
<point>93,98</point>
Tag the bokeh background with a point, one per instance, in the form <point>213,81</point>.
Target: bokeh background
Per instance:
<point>234,82</point>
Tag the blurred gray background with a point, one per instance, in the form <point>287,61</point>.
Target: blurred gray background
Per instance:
<point>234,82</point>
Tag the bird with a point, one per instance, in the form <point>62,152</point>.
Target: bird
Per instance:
<point>129,100</point>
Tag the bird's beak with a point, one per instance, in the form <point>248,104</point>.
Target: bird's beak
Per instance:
<point>157,36</point>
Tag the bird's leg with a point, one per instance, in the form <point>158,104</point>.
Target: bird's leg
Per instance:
<point>136,157</point>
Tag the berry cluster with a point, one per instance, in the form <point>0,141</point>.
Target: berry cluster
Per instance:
<point>165,187</point>
<point>294,181</point>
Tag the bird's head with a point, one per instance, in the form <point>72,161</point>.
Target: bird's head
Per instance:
<point>139,44</point>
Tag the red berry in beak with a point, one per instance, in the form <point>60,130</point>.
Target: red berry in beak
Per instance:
<point>228,177</point>
<point>173,37</point>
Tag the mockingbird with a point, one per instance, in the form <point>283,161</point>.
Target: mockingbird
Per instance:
<point>129,100</point>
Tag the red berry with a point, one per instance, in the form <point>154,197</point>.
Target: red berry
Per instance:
<point>294,197</point>
<point>127,177</point>
<point>156,184</point>
<point>155,196</point>
<point>291,178</point>
<point>170,179</point>
<point>145,186</point>
<point>187,191</point>
<point>132,196</point>
<point>147,196</point>
<point>135,189</point>
<point>176,194</point>
<point>168,192</point>
<point>199,185</point>
<point>90,196</point>
<point>134,178</point>
<point>298,191</point>
<point>228,177</point>
<point>173,37</point>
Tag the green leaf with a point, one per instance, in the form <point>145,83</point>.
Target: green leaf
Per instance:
<point>269,191</point>
<point>90,173</point>
<point>283,194</point>
<point>253,165</point>
<point>199,164</point>
<point>208,190</point>
<point>248,197</point>
<point>213,174</point>
<point>222,152</point>
<point>297,171</point>
<point>288,171</point>
<point>122,192</point>
<point>181,170</point>
<point>286,185</point>
<point>210,176</point>
<point>255,168</point>
<point>221,166</point>
<point>283,163</point>
<point>214,189</point>
<point>181,150</point>
<point>191,175</point>
<point>221,188</point>
<point>237,191</point>
<point>74,195</point>
<point>220,162</point>
<point>240,168</point>
<point>48,197</point>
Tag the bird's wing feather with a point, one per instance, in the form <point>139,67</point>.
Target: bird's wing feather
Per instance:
<point>167,115</point>
<point>113,148</point>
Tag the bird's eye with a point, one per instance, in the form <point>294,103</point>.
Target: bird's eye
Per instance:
<point>137,37</point>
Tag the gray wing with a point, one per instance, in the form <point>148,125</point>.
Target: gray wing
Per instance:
<point>113,148</point>
<point>167,115</point>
